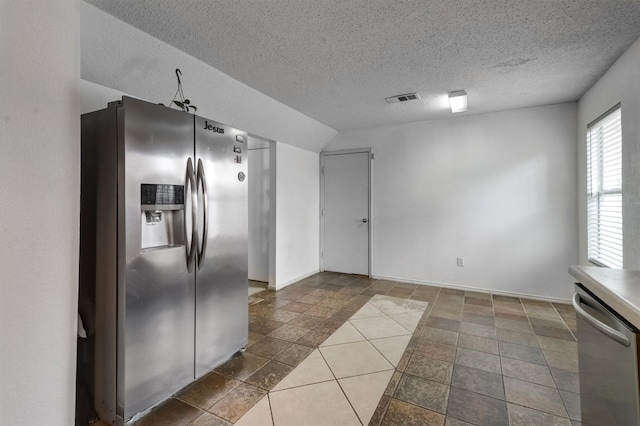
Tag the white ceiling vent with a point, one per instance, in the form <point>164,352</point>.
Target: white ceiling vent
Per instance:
<point>402,98</point>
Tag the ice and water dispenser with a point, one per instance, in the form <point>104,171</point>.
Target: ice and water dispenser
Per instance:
<point>161,216</point>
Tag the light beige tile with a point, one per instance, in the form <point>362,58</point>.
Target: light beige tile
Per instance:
<point>352,359</point>
<point>259,414</point>
<point>392,348</point>
<point>319,404</point>
<point>379,327</point>
<point>312,370</point>
<point>367,311</point>
<point>365,391</point>
<point>347,333</point>
<point>409,321</point>
<point>395,306</point>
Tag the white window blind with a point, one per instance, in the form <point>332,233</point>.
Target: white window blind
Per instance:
<point>604,190</point>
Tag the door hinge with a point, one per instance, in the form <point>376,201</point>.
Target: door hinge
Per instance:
<point>322,255</point>
<point>372,156</point>
<point>322,212</point>
<point>322,170</point>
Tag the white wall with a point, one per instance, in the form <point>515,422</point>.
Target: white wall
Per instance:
<point>498,190</point>
<point>39,222</point>
<point>297,230</point>
<point>621,83</point>
<point>119,56</point>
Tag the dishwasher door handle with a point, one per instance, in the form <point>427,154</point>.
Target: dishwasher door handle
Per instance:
<point>599,325</point>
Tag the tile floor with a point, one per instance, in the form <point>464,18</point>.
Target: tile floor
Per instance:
<point>341,349</point>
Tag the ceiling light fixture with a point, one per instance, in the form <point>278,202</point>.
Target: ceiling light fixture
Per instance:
<point>458,101</point>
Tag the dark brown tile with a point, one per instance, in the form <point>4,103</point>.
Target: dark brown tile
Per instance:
<point>254,337</point>
<point>477,409</point>
<point>208,419</point>
<point>262,325</point>
<point>480,330</point>
<point>539,303</point>
<point>268,347</point>
<point>522,352</point>
<point>282,315</point>
<point>402,414</point>
<point>380,411</point>
<point>422,297</point>
<point>534,396</point>
<point>477,343</point>
<point>342,315</point>
<point>294,354</point>
<point>356,303</point>
<point>566,380</point>
<point>238,402</point>
<point>557,333</point>
<point>297,307</point>
<point>452,291</point>
<point>479,302</point>
<point>478,310</point>
<point>332,303</point>
<point>435,350</point>
<point>401,293</point>
<point>328,326</point>
<point>242,365</point>
<point>393,383</point>
<point>269,375</point>
<point>422,392</point>
<point>321,311</point>
<point>480,360</point>
<point>430,368</point>
<point>383,285</point>
<point>478,381</point>
<point>523,416</point>
<point>571,404</point>
<point>172,412</point>
<point>513,325</point>
<point>208,390</point>
<point>527,371</point>
<point>518,338</point>
<point>444,323</point>
<point>313,338</point>
<point>305,321</point>
<point>512,316</point>
<point>290,333</point>
<point>439,335</point>
<point>478,319</point>
<point>506,299</point>
<point>372,292</point>
<point>549,322</point>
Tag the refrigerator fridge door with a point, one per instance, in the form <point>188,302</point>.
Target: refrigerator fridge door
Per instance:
<point>221,272</point>
<point>155,289</point>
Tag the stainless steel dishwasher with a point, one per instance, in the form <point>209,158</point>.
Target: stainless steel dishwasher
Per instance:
<point>608,363</point>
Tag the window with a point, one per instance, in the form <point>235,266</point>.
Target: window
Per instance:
<point>604,189</point>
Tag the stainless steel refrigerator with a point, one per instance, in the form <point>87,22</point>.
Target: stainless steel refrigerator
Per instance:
<point>164,206</point>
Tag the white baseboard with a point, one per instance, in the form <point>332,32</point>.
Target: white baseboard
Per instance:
<point>478,289</point>
<point>292,281</point>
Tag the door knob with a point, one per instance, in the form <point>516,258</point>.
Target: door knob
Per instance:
<point>365,220</point>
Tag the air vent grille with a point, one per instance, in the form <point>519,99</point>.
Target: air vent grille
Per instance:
<point>402,98</point>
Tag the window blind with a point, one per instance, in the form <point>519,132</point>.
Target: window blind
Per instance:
<point>604,190</point>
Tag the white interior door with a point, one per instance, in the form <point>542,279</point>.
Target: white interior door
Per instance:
<point>259,208</point>
<point>346,212</point>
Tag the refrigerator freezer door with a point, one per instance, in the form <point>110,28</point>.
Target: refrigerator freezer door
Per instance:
<point>155,291</point>
<point>221,281</point>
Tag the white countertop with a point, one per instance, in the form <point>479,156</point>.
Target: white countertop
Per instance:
<point>618,288</point>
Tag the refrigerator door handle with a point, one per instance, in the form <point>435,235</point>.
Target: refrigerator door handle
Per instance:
<point>202,182</point>
<point>191,247</point>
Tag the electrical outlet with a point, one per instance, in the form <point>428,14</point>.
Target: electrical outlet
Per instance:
<point>460,261</point>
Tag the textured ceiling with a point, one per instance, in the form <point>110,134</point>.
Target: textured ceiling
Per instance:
<point>336,60</point>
